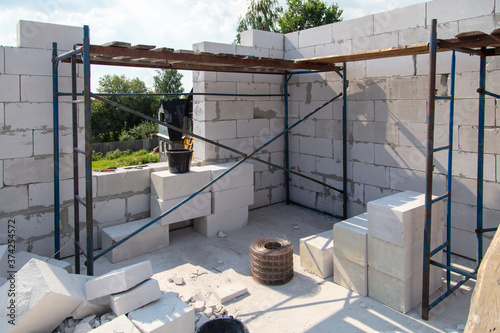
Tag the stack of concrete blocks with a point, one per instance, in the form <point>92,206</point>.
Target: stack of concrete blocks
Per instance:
<point>316,253</point>
<point>230,198</point>
<point>350,254</point>
<point>127,288</point>
<point>169,189</point>
<point>243,122</point>
<point>395,247</point>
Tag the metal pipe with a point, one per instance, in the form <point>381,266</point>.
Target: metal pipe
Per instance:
<point>344,142</point>
<point>454,269</point>
<point>287,141</point>
<point>88,151</point>
<point>55,124</point>
<point>448,293</point>
<point>482,91</point>
<point>441,148</point>
<point>76,190</point>
<point>190,94</point>
<point>489,230</point>
<point>440,198</point>
<point>429,172</point>
<point>450,167</point>
<point>68,54</point>
<point>439,248</point>
<point>480,158</point>
<point>211,182</point>
<point>137,113</point>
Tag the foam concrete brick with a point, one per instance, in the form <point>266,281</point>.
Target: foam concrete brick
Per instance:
<point>316,253</point>
<point>13,199</point>
<point>150,239</point>
<point>400,19</point>
<point>231,199</point>
<point>22,257</point>
<point>230,291</point>
<point>226,221</point>
<point>242,175</point>
<point>120,324</point>
<point>265,39</point>
<point>16,144</point>
<point>350,239</point>
<point>401,295</point>
<point>41,35</point>
<point>168,314</point>
<point>399,218</point>
<point>166,185</point>
<point>124,302</point>
<point>118,280</point>
<point>196,207</point>
<point>87,308</point>
<point>350,275</point>
<point>9,88</point>
<point>28,170</point>
<point>45,296</point>
<point>122,181</point>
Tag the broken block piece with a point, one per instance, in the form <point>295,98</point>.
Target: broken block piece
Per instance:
<point>399,218</point>
<point>22,257</point>
<point>223,201</point>
<point>98,306</point>
<point>350,239</point>
<point>152,238</point>
<point>120,324</point>
<point>166,185</point>
<point>227,221</point>
<point>316,253</point>
<point>229,292</point>
<point>198,206</point>
<point>350,275</point>
<point>44,296</point>
<point>118,280</point>
<point>168,314</point>
<point>124,302</point>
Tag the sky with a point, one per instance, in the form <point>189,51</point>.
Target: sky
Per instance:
<point>176,24</point>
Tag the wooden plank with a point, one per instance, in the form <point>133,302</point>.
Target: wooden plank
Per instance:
<point>117,44</point>
<point>469,34</point>
<point>372,54</point>
<point>484,314</point>
<point>143,47</point>
<point>496,32</point>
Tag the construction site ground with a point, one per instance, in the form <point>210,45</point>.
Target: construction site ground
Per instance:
<point>307,303</point>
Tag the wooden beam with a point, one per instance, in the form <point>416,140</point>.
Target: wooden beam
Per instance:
<point>372,54</point>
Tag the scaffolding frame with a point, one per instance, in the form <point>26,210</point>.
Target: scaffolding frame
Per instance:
<point>466,42</point>
<point>142,56</point>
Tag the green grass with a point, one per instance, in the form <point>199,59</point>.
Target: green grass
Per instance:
<point>119,158</point>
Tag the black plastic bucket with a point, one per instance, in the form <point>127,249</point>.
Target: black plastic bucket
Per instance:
<point>179,160</point>
<point>223,325</point>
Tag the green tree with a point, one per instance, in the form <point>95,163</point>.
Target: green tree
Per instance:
<point>108,122</point>
<point>261,15</point>
<point>304,14</point>
<point>168,81</point>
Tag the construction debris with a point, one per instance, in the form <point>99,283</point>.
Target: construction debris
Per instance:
<point>229,292</point>
<point>134,298</point>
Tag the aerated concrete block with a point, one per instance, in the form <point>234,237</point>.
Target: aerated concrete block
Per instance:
<point>350,275</point>
<point>22,257</point>
<point>242,175</point>
<point>400,262</point>
<point>124,302</point>
<point>166,185</point>
<point>150,239</point>
<point>118,280</point>
<point>401,295</point>
<point>31,34</point>
<point>316,253</point>
<point>198,206</point>
<point>223,201</point>
<point>399,218</point>
<point>87,308</point>
<point>227,221</point>
<point>168,314</point>
<point>44,296</point>
<point>119,324</point>
<point>350,239</point>
<point>230,291</point>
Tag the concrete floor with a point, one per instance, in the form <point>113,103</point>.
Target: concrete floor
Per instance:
<point>307,303</point>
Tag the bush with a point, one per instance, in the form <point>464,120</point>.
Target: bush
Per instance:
<point>139,132</point>
<point>119,158</point>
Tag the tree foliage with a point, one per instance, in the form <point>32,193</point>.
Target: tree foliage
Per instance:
<point>261,15</point>
<point>108,122</point>
<point>299,15</point>
<point>168,81</point>
<point>304,14</point>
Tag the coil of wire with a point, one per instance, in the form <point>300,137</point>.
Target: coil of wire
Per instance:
<point>271,261</point>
